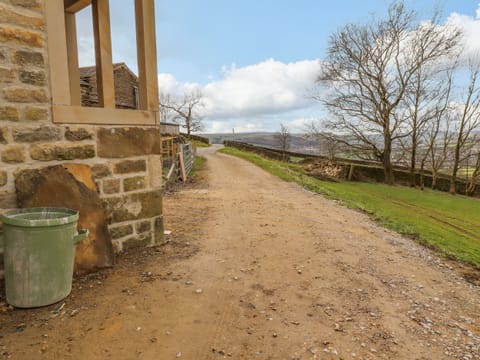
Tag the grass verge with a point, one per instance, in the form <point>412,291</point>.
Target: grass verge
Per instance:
<point>198,166</point>
<point>200,144</point>
<point>449,224</point>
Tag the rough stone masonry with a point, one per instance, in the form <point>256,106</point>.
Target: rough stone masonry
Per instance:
<point>124,162</point>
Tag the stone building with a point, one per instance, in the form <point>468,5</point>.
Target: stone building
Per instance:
<point>102,160</point>
<point>126,86</point>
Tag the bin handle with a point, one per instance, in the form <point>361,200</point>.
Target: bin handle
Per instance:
<point>82,234</point>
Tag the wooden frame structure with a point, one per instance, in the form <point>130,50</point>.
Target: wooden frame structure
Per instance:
<point>64,69</point>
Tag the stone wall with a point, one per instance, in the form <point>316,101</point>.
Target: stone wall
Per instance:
<point>357,170</point>
<point>125,162</point>
<point>125,84</point>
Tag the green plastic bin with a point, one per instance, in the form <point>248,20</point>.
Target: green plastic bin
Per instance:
<point>39,249</point>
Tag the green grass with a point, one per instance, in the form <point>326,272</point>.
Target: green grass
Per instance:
<point>449,224</point>
<point>199,163</point>
<point>198,166</point>
<point>296,159</point>
<point>200,144</point>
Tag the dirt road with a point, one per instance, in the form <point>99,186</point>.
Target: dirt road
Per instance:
<point>257,268</point>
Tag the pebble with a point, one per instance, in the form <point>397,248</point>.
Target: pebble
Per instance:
<point>199,291</point>
<point>178,355</point>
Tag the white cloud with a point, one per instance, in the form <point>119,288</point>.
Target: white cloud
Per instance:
<point>253,98</point>
<point>471,29</point>
<point>264,88</point>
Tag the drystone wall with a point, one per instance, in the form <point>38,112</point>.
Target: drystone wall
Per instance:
<point>124,163</point>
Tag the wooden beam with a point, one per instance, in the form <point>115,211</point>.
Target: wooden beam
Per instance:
<point>146,54</point>
<point>65,114</point>
<point>182,166</point>
<point>57,52</point>
<point>73,6</point>
<point>72,52</point>
<point>103,53</point>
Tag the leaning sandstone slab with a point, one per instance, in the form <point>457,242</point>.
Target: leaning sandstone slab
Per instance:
<point>55,186</point>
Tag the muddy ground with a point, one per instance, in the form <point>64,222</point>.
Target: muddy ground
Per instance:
<point>257,268</point>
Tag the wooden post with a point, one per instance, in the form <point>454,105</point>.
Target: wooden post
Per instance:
<point>72,52</point>
<point>146,54</point>
<point>57,53</point>
<point>182,166</point>
<point>103,53</point>
<point>170,172</point>
<point>73,6</point>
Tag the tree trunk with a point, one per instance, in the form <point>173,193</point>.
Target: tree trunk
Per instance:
<point>453,181</point>
<point>422,178</point>
<point>472,184</point>
<point>413,182</point>
<point>387,162</point>
<point>456,163</point>
<point>434,180</point>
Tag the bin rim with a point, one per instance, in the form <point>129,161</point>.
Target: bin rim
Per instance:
<point>14,217</point>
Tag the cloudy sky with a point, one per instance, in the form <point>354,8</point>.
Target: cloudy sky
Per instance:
<point>253,60</point>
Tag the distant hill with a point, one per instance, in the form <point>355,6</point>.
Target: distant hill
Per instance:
<point>267,139</point>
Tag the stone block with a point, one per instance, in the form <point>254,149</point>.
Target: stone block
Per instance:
<point>29,4</point>
<point>13,154</point>
<point>9,113</point>
<point>134,206</point>
<point>36,113</point>
<point>55,186</point>
<point>78,134</point>
<point>142,240</point>
<point>111,186</point>
<point>37,134</point>
<point>143,226</point>
<point>118,232</point>
<point>3,135</point>
<point>49,152</point>
<point>6,75</point>
<point>127,142</point>
<point>33,77</point>
<point>155,171</point>
<point>159,230</point>
<point>28,58</point>
<point>134,183</point>
<point>3,178</point>
<point>18,94</point>
<point>9,15</point>
<point>13,35</point>
<point>100,171</point>
<point>130,166</point>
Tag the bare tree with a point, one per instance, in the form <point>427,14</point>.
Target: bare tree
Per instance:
<point>283,139</point>
<point>475,177</point>
<point>440,139</point>
<point>369,70</point>
<point>421,109</point>
<point>166,114</point>
<point>327,143</point>
<point>466,118</point>
<point>185,110</point>
<point>431,133</point>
